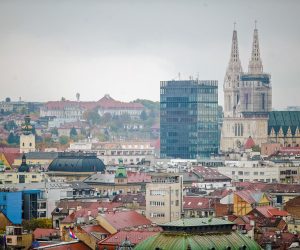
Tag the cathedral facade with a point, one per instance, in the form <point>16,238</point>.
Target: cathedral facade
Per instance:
<point>247,99</point>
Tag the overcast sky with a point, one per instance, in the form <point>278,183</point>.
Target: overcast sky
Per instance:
<point>55,48</point>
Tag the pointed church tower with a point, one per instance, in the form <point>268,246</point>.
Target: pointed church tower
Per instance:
<point>255,63</point>
<point>232,78</point>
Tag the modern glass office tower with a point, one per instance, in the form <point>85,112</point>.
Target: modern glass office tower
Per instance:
<point>188,119</point>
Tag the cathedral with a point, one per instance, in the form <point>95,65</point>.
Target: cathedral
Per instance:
<point>247,99</point>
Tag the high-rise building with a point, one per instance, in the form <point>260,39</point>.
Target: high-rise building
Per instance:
<point>188,119</point>
<point>247,99</point>
<point>164,197</point>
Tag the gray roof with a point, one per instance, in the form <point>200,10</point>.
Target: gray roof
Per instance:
<point>76,162</point>
<point>197,222</point>
<point>100,178</point>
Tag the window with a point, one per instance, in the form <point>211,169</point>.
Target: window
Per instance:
<point>263,101</point>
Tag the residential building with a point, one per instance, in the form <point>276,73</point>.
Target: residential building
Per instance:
<point>247,99</point>
<point>251,170</point>
<point>16,238</point>
<point>244,201</point>
<point>113,184</point>
<point>188,119</point>
<point>130,152</point>
<point>164,197</point>
<point>195,206</point>
<point>16,177</point>
<point>11,205</point>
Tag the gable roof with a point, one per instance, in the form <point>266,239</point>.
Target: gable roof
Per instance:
<point>44,232</point>
<point>125,219</point>
<point>250,196</point>
<point>194,202</point>
<point>249,143</point>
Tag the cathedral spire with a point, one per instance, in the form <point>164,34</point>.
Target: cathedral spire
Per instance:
<point>234,68</point>
<point>255,63</point>
<point>234,57</point>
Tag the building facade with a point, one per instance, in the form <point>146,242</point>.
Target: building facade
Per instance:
<point>164,198</point>
<point>188,119</point>
<point>247,99</point>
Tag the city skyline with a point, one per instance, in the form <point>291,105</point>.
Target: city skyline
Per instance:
<point>121,49</point>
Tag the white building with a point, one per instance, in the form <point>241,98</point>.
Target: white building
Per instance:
<point>164,197</point>
<point>264,171</point>
<point>131,152</point>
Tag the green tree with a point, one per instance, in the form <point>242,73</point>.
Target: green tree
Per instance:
<point>54,131</point>
<point>31,225</point>
<point>10,125</point>
<point>73,133</point>
<point>92,117</point>
<point>11,138</point>
<point>63,140</point>
<point>144,115</point>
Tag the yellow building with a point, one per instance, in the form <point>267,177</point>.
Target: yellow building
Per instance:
<point>14,177</point>
<point>244,201</point>
<point>17,239</point>
<point>42,159</point>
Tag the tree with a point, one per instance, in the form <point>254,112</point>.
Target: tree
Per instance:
<point>7,99</point>
<point>54,131</point>
<point>10,125</point>
<point>63,140</point>
<point>92,117</point>
<point>73,133</point>
<point>31,225</point>
<point>144,115</point>
<point>11,138</point>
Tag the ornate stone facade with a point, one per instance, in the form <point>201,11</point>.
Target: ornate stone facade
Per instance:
<point>247,99</point>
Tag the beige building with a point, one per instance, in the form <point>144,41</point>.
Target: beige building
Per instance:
<point>164,197</point>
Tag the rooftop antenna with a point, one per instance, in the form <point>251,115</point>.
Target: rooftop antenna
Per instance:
<point>234,25</point>
<point>178,75</point>
<point>255,23</point>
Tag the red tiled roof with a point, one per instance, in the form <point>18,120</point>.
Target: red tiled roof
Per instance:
<point>44,232</point>
<point>136,177</point>
<point>192,202</point>
<point>82,213</point>
<point>9,150</point>
<point>126,219</point>
<point>67,246</point>
<point>94,228</point>
<point>220,193</point>
<point>209,174</point>
<point>108,102</point>
<point>10,157</point>
<point>249,143</point>
<point>134,237</point>
<point>249,195</point>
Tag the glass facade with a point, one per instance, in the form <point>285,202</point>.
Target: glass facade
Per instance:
<point>188,119</point>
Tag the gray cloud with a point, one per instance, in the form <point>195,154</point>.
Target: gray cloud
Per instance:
<point>52,48</point>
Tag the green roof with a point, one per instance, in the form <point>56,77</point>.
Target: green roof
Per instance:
<point>197,222</point>
<point>183,241</point>
<point>283,119</point>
